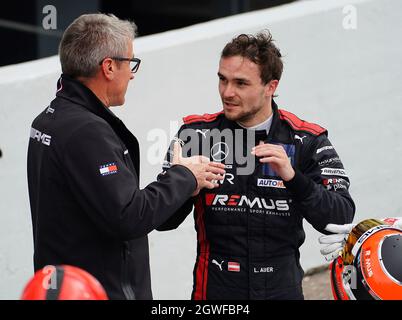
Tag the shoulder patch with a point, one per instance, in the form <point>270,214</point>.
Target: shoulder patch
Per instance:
<point>297,124</point>
<point>206,117</point>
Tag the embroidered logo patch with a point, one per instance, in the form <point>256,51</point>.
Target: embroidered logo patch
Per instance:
<point>108,168</point>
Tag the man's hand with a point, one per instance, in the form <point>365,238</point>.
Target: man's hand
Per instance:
<point>207,173</point>
<point>276,157</point>
<point>334,242</point>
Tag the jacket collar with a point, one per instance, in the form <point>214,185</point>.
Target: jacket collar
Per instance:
<point>76,92</point>
<point>275,120</point>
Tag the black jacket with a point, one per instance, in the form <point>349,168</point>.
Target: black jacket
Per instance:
<point>249,230</point>
<point>87,208</point>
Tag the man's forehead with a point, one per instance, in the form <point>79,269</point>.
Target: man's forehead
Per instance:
<point>238,65</point>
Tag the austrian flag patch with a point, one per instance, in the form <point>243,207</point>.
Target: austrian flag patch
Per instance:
<point>233,266</point>
<point>108,168</point>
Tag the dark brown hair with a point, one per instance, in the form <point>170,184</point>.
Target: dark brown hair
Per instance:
<point>259,49</point>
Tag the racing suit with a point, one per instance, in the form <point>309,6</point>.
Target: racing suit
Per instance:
<point>249,229</point>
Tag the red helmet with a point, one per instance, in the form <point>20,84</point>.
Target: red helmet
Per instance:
<point>63,283</point>
<point>371,264</point>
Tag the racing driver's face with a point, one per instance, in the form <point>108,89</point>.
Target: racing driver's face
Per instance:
<point>245,98</point>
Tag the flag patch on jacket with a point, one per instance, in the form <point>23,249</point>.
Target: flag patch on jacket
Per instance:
<point>108,168</point>
<point>233,266</point>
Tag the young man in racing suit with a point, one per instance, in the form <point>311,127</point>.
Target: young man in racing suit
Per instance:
<point>249,230</point>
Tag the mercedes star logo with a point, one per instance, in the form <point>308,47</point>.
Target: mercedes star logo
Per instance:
<point>219,151</point>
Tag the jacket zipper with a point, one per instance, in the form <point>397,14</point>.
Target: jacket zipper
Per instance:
<point>125,283</point>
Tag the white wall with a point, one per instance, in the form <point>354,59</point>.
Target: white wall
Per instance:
<point>346,80</point>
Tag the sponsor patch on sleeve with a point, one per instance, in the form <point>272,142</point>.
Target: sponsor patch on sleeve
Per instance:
<point>335,184</point>
<point>333,172</point>
<point>324,149</point>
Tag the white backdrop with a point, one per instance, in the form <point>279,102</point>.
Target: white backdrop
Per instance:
<point>347,80</point>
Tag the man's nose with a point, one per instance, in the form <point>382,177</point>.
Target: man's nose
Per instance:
<point>132,76</point>
<point>228,91</point>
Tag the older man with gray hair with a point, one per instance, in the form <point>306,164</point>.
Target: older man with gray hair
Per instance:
<point>83,166</point>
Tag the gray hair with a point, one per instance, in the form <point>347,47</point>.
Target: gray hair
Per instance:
<point>91,38</point>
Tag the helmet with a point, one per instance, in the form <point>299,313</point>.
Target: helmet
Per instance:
<point>370,266</point>
<point>63,282</point>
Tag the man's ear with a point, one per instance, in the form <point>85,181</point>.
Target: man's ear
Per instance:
<point>108,68</point>
<point>270,88</point>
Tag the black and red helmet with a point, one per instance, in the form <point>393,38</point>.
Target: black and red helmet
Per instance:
<point>63,282</point>
<point>370,266</point>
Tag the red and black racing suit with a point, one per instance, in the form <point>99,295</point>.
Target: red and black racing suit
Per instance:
<point>249,229</point>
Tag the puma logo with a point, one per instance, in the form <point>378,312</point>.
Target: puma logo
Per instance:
<point>300,138</point>
<point>203,133</point>
<point>218,264</point>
